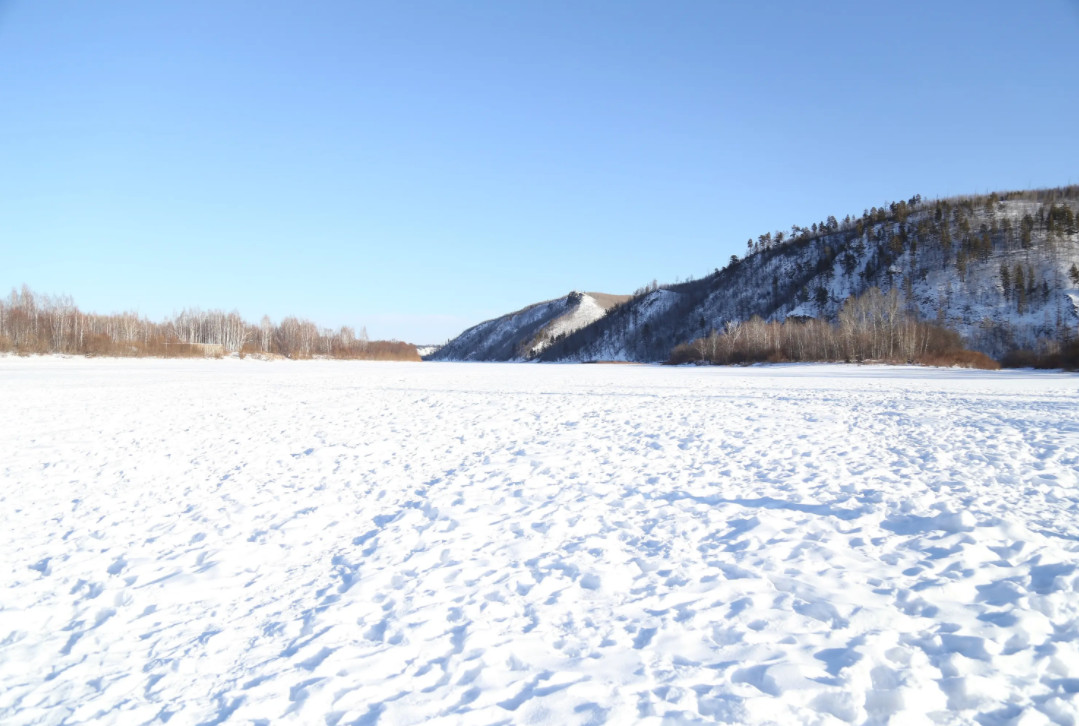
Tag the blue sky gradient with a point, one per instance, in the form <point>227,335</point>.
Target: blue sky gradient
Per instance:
<point>419,167</point>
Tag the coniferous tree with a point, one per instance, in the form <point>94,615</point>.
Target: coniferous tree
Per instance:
<point>1020,290</point>
<point>1025,230</point>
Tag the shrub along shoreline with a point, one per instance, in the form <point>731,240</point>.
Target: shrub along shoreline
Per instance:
<point>42,324</point>
<point>873,327</point>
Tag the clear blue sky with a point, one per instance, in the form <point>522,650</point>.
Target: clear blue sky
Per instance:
<point>419,167</point>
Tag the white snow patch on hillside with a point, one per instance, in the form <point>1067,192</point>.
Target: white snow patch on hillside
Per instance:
<point>340,542</point>
<point>501,334</point>
<point>585,312</point>
<point>612,346</point>
<point>804,310</point>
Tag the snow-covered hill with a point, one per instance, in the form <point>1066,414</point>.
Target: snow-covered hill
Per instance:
<point>526,333</point>
<point>955,262</point>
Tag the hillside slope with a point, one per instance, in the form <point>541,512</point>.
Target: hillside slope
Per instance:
<point>524,334</point>
<point>956,262</point>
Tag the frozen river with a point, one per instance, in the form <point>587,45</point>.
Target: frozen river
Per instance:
<point>341,542</point>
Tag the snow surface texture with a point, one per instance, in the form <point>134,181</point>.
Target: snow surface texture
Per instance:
<point>340,542</point>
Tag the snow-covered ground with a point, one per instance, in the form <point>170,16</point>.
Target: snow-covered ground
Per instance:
<point>341,542</point>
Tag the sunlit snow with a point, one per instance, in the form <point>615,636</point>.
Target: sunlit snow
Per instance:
<point>340,542</point>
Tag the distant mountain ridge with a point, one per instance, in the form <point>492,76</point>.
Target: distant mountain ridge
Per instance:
<point>526,333</point>
<point>1001,269</point>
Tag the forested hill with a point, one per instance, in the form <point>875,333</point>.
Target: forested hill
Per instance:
<point>1001,269</point>
<point>526,333</point>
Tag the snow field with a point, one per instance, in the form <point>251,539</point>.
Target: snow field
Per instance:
<point>342,542</point>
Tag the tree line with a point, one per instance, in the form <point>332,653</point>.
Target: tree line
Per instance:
<point>874,326</point>
<point>1057,218</point>
<point>38,324</point>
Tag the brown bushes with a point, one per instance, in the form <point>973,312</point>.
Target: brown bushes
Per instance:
<point>959,359</point>
<point>872,327</point>
<point>393,350</point>
<point>33,324</point>
<point>103,346</point>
